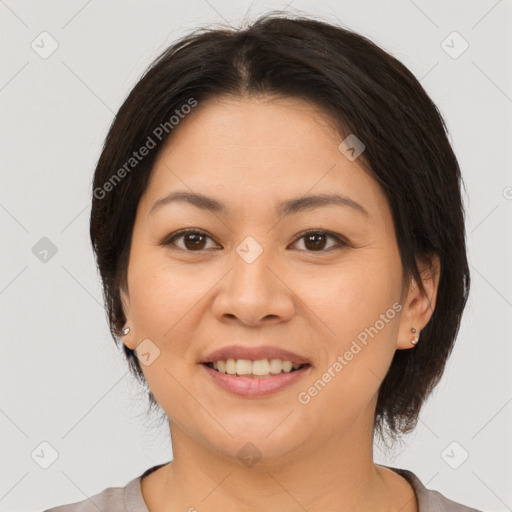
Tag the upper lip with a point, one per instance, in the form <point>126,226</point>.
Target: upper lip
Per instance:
<point>253,354</point>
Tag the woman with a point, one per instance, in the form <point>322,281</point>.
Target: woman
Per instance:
<point>279,229</point>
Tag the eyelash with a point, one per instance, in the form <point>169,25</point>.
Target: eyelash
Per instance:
<point>179,234</point>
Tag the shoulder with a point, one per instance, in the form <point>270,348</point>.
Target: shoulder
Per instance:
<point>111,499</point>
<point>108,500</point>
<point>430,500</point>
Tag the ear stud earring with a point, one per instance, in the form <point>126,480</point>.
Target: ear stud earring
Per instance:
<point>416,338</point>
<point>125,331</point>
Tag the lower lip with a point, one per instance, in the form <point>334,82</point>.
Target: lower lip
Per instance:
<point>253,387</point>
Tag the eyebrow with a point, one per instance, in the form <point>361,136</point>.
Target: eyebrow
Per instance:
<point>288,207</point>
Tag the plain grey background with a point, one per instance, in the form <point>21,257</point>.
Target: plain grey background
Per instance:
<point>66,392</point>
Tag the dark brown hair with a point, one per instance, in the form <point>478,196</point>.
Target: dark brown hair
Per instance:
<point>364,91</point>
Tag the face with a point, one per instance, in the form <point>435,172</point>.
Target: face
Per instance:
<point>321,281</point>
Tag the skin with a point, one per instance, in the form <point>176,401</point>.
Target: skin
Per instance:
<point>252,154</point>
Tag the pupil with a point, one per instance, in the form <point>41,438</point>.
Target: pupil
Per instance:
<point>315,246</point>
<point>194,237</point>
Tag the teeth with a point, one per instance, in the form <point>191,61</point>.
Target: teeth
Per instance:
<point>243,367</point>
<point>276,365</point>
<point>231,366</point>
<point>261,367</point>
<point>258,368</point>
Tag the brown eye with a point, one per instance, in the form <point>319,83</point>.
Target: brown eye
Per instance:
<point>193,240</point>
<point>315,241</point>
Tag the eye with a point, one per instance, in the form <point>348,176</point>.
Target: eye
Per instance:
<point>194,240</point>
<point>316,240</point>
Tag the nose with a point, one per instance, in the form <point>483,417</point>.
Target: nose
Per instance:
<point>254,293</point>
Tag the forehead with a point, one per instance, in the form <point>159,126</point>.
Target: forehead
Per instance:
<point>245,149</point>
<point>253,125</point>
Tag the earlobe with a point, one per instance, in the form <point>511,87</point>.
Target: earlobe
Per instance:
<point>127,331</point>
<point>128,337</point>
<point>409,340</point>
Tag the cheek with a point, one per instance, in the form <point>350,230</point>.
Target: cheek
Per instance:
<point>163,311</point>
<point>355,304</point>
<point>351,297</point>
<point>158,298</point>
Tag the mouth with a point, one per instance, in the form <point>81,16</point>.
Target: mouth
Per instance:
<point>255,371</point>
<point>258,369</point>
<point>238,378</point>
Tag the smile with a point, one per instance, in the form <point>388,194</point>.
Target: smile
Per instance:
<point>253,379</point>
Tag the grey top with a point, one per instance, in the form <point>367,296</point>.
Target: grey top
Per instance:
<point>129,498</point>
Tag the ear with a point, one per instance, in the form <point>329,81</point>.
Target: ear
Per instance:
<point>419,307</point>
<point>128,339</point>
